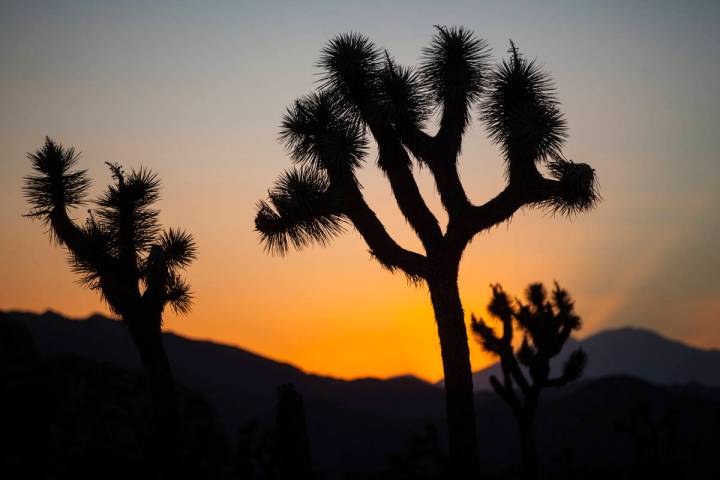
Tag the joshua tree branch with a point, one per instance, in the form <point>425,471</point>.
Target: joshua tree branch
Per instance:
<point>116,292</point>
<point>395,162</point>
<point>67,232</point>
<point>452,125</point>
<point>417,141</point>
<point>505,392</point>
<point>513,370</point>
<point>382,245</point>
<point>75,239</point>
<point>537,191</point>
<point>452,192</point>
<point>507,336</point>
<point>444,169</point>
<point>156,279</point>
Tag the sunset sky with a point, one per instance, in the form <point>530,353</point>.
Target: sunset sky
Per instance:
<point>196,93</point>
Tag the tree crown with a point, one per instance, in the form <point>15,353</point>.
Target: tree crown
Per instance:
<point>121,247</point>
<point>545,323</point>
<point>365,94</point>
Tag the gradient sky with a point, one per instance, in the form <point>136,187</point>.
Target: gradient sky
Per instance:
<point>196,93</point>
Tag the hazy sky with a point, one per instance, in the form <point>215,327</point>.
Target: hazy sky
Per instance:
<point>196,93</point>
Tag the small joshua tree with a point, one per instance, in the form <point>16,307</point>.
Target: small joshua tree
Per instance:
<point>545,326</point>
<point>122,252</point>
<point>364,92</point>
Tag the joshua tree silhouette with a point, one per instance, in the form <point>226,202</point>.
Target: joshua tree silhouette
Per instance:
<point>122,252</point>
<point>545,325</point>
<point>292,444</point>
<point>364,90</point>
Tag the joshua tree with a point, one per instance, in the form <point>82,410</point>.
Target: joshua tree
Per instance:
<point>545,325</point>
<point>121,251</point>
<point>364,91</point>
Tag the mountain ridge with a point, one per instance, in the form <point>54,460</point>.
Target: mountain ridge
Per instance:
<point>635,351</point>
<point>97,316</point>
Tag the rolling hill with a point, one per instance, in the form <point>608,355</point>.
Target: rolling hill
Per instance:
<point>636,352</point>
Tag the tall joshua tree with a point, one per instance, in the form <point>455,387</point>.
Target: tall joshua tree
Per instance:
<point>122,252</point>
<point>364,93</point>
<point>545,326</point>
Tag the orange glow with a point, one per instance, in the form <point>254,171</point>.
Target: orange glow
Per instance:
<point>331,311</point>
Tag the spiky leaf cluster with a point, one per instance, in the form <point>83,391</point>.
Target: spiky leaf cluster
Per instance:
<point>403,96</point>
<point>547,322</point>
<point>579,189</point>
<point>174,251</point>
<point>320,134</point>
<point>177,250</point>
<point>371,86</point>
<point>521,112</point>
<point>125,212</point>
<point>324,137</point>
<point>486,336</point>
<point>454,68</point>
<point>301,208</point>
<point>54,184</point>
<point>381,92</point>
<point>178,247</point>
<point>351,64</point>
<point>121,245</point>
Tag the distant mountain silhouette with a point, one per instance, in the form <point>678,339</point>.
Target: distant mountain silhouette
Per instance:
<point>636,352</point>
<point>354,425</point>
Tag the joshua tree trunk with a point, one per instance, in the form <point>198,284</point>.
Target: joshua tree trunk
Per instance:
<point>147,336</point>
<point>459,398</point>
<point>529,446</point>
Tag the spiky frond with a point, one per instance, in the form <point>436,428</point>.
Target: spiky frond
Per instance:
<point>486,336</point>
<point>561,300</point>
<point>565,309</point>
<point>350,64</point>
<point>453,69</point>
<point>318,131</point>
<point>178,295</point>
<point>125,210</point>
<point>55,183</point>
<point>521,112</point>
<point>579,189</point>
<point>500,305</point>
<point>301,209</point>
<point>178,247</point>
<point>403,96</point>
<point>536,295</point>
